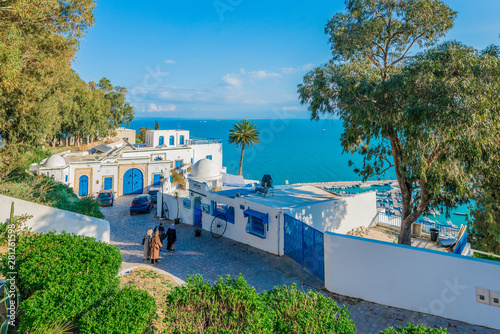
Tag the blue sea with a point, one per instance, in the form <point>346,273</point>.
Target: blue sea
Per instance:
<point>293,150</point>
<point>297,150</point>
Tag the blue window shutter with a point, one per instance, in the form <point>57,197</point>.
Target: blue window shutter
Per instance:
<point>66,178</point>
<point>181,140</point>
<point>162,140</point>
<point>178,164</point>
<point>171,179</point>
<point>209,157</point>
<point>171,140</point>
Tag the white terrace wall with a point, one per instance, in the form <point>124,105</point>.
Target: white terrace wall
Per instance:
<point>411,278</point>
<point>339,215</point>
<point>47,219</point>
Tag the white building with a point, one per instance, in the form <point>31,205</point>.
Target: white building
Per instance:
<point>257,218</point>
<point>130,169</point>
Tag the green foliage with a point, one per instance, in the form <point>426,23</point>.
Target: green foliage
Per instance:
<point>16,159</point>
<point>62,276</point>
<point>432,117</point>
<point>243,133</point>
<point>232,306</point>
<point>141,136</point>
<point>311,312</point>
<point>127,311</point>
<point>486,257</point>
<point>14,226</point>
<point>412,329</point>
<point>229,306</point>
<point>483,231</point>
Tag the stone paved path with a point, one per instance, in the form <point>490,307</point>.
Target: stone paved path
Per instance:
<point>218,257</point>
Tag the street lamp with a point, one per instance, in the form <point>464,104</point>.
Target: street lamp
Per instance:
<point>162,178</point>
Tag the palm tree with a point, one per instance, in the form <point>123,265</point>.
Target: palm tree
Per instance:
<point>244,133</point>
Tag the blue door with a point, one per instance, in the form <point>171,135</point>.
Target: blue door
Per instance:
<point>83,185</point>
<point>133,182</point>
<point>156,180</point>
<point>162,140</point>
<point>197,212</point>
<point>108,183</point>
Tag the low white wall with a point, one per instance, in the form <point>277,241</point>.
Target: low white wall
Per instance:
<point>420,280</point>
<point>339,215</point>
<point>47,219</point>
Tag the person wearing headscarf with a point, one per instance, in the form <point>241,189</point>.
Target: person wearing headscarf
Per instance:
<point>161,230</point>
<point>146,241</point>
<point>171,238</point>
<point>155,248</point>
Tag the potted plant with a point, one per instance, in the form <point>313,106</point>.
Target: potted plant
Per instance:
<point>176,196</point>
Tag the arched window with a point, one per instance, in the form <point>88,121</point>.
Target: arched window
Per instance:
<point>181,140</point>
<point>162,140</point>
<point>171,140</point>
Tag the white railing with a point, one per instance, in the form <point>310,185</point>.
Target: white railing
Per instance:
<point>395,220</point>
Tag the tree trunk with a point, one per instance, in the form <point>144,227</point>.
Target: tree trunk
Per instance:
<point>240,171</point>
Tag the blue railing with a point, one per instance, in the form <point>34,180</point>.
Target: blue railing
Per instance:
<point>461,244</point>
<point>202,141</point>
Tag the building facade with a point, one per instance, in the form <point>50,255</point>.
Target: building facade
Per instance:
<point>130,169</point>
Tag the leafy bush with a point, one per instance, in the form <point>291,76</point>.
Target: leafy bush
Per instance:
<point>40,189</point>
<point>229,306</point>
<point>412,329</point>
<point>311,312</point>
<point>62,276</point>
<point>128,311</point>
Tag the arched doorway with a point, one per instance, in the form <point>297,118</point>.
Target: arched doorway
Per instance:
<point>133,182</point>
<point>83,185</point>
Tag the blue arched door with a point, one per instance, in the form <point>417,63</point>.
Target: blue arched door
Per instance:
<point>83,185</point>
<point>133,182</point>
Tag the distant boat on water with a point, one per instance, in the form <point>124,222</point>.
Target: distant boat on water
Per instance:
<point>365,185</point>
<point>460,213</point>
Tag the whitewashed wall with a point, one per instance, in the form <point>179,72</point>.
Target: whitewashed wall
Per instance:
<point>47,219</point>
<point>201,152</point>
<point>411,278</point>
<point>339,215</point>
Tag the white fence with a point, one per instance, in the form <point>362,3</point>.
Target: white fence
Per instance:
<point>395,220</point>
<point>416,279</point>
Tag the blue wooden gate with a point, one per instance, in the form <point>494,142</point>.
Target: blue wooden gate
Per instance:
<point>133,182</point>
<point>83,185</point>
<point>305,245</point>
<point>197,212</point>
<point>108,183</point>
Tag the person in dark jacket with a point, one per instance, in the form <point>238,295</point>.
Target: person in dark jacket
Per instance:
<point>161,230</point>
<point>146,241</point>
<point>171,238</point>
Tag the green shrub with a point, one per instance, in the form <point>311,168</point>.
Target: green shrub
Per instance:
<point>311,312</point>
<point>229,306</point>
<point>61,276</point>
<point>412,329</point>
<point>40,189</point>
<point>128,311</point>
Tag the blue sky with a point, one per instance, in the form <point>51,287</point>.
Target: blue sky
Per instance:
<point>208,59</point>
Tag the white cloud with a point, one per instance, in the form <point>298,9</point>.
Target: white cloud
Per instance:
<point>263,74</point>
<point>169,61</point>
<point>293,70</point>
<point>166,107</point>
<point>233,80</point>
<point>290,108</point>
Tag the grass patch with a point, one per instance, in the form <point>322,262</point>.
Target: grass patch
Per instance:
<point>486,257</point>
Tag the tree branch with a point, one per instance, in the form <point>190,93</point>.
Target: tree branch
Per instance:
<point>407,50</point>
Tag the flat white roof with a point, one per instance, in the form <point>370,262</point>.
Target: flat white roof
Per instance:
<point>284,196</point>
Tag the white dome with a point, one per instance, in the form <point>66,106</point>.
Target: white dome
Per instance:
<point>205,169</point>
<point>55,161</point>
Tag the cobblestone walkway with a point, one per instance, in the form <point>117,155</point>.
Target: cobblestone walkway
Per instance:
<point>218,257</point>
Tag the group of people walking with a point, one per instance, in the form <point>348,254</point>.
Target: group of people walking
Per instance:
<point>153,241</point>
